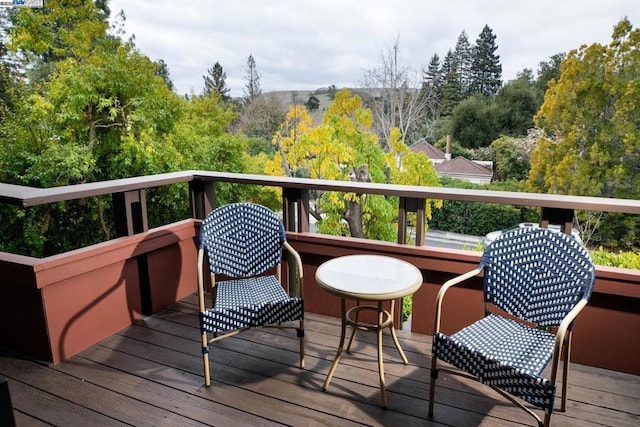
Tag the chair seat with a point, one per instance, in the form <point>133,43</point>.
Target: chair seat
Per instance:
<point>502,353</point>
<point>250,302</point>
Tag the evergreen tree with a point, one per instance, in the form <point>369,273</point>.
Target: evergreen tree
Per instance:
<point>486,70</point>
<point>252,78</point>
<point>163,71</point>
<point>451,90</point>
<point>462,60</point>
<point>433,79</point>
<point>215,82</point>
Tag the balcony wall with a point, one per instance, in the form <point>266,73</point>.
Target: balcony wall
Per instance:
<point>62,304</point>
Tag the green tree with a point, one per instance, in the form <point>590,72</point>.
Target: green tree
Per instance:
<point>215,82</point>
<point>451,89</point>
<point>512,159</point>
<point>516,104</point>
<point>252,80</point>
<point>591,118</point>
<point>163,72</point>
<point>344,148</point>
<point>548,71</point>
<point>102,113</point>
<point>486,70</point>
<point>462,62</point>
<point>474,122</point>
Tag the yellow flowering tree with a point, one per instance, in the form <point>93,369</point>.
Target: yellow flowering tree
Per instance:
<point>343,147</point>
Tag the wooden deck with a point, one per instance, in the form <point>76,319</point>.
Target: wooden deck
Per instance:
<point>150,374</point>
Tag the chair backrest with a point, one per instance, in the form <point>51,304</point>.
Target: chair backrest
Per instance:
<point>537,274</point>
<point>242,239</point>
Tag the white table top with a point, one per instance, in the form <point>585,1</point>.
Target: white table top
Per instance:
<point>368,277</point>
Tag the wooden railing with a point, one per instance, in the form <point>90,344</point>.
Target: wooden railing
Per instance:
<point>135,269</point>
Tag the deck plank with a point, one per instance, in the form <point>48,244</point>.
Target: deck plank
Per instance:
<point>151,374</point>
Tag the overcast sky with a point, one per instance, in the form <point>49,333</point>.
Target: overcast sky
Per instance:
<point>307,44</point>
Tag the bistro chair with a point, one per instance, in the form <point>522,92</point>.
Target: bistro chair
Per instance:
<point>541,279</point>
<point>241,245</point>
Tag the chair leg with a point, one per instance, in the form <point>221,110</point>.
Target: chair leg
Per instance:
<point>565,371</point>
<point>205,360</point>
<point>301,337</point>
<point>432,384</point>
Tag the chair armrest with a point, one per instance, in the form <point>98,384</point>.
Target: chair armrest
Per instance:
<point>561,333</point>
<point>449,283</point>
<point>296,255</point>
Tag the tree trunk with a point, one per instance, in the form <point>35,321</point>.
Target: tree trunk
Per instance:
<point>353,216</point>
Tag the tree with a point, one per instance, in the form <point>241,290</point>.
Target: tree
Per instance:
<point>102,113</point>
<point>462,62</point>
<point>344,148</point>
<point>486,70</point>
<point>433,79</point>
<point>252,80</point>
<point>313,103</point>
<point>163,72</point>
<point>215,82</point>
<point>451,89</point>
<point>590,117</point>
<point>516,103</point>
<point>474,122</point>
<point>547,71</point>
<point>512,159</point>
<point>395,98</point>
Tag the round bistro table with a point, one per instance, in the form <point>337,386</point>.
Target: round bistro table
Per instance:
<point>373,278</point>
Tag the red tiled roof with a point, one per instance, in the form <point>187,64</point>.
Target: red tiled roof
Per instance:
<point>461,165</point>
<point>432,152</point>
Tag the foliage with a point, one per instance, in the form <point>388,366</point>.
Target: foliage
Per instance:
<point>590,117</point>
<point>476,218</point>
<point>344,148</point>
<point>620,259</point>
<point>511,158</point>
<point>262,117</point>
<point>215,82</point>
<point>103,112</point>
<point>474,122</point>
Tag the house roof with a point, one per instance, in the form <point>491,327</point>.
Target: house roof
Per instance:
<point>432,152</point>
<point>461,165</point>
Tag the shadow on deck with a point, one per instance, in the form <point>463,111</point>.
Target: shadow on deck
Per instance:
<point>150,374</point>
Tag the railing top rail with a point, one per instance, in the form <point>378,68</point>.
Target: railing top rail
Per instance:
<point>29,196</point>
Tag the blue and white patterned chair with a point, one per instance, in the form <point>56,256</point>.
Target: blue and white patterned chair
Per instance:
<point>243,244</point>
<point>539,276</point>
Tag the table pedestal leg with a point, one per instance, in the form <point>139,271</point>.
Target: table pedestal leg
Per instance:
<point>383,391</point>
<point>340,347</point>
<point>395,336</point>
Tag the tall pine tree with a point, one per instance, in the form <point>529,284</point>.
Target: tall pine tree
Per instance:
<point>451,90</point>
<point>486,70</point>
<point>462,61</point>
<point>252,77</point>
<point>215,82</point>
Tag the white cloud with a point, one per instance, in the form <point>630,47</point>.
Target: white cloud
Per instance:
<point>309,44</point>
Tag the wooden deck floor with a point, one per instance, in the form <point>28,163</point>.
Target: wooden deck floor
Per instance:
<point>150,374</point>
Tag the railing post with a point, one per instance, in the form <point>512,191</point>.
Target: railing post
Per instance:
<point>295,209</point>
<point>130,208</point>
<point>406,205</point>
<point>560,216</point>
<point>202,198</point>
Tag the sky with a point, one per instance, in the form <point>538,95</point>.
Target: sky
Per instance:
<point>309,44</point>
